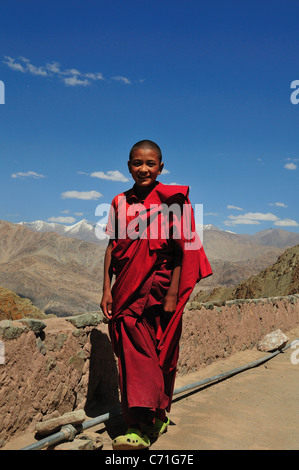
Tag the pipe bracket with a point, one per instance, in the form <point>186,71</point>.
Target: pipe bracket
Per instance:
<point>70,431</point>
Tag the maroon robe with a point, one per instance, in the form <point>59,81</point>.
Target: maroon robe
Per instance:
<point>144,337</point>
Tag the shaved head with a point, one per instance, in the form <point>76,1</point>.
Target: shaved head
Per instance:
<point>147,144</point>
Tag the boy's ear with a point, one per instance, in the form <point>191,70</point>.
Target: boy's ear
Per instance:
<point>129,165</point>
<point>161,167</point>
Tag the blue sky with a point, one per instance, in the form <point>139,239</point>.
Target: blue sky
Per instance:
<point>209,81</point>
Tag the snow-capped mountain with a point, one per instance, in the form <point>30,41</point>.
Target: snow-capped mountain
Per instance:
<point>83,230</point>
<point>211,235</point>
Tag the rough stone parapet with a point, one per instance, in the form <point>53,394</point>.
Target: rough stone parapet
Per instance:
<point>53,368</point>
<point>86,319</point>
<point>213,330</point>
<point>211,304</point>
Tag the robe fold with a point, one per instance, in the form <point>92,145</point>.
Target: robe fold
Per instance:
<point>146,339</point>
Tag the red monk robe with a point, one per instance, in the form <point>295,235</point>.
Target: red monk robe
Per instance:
<point>144,337</point>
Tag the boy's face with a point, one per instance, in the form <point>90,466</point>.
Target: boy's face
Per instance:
<point>144,167</point>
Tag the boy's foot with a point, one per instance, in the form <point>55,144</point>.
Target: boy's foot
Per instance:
<point>158,428</point>
<point>132,440</point>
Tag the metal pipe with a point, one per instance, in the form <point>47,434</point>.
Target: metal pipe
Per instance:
<point>229,373</point>
<point>68,432</point>
<point>63,435</point>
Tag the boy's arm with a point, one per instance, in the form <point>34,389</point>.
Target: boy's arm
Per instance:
<point>106,302</point>
<point>171,298</point>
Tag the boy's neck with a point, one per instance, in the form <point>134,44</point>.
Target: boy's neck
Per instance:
<point>142,193</point>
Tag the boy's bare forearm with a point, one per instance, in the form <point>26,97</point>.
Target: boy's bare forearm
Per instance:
<point>106,302</point>
<point>171,298</point>
<point>107,268</point>
<point>176,273</point>
<point>175,280</point>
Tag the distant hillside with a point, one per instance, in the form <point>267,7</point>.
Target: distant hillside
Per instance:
<point>220,244</point>
<point>59,275</point>
<point>279,279</point>
<point>233,257</point>
<point>276,237</point>
<point>13,307</point>
<point>63,275</point>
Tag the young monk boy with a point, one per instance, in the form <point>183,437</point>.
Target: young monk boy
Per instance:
<point>157,258</point>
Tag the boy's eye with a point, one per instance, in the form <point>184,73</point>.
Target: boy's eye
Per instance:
<point>139,163</point>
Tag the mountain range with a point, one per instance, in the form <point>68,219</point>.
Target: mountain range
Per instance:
<point>84,230</point>
<point>62,273</point>
<point>279,279</point>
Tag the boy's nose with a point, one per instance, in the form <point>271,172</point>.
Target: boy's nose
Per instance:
<point>143,169</point>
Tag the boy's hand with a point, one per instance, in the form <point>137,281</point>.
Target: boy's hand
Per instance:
<point>106,304</point>
<point>170,302</point>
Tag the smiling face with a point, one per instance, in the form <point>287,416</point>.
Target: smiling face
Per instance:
<point>144,167</point>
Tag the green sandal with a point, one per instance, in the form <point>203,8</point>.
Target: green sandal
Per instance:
<point>132,440</point>
<point>158,428</point>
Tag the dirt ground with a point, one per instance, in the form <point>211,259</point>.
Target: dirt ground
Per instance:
<point>256,409</point>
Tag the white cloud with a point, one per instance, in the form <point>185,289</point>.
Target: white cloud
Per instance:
<point>28,174</point>
<point>122,79</point>
<point>94,76</point>
<point>229,206</point>
<point>37,70</point>
<point>165,172</point>
<point>54,67</point>
<point>22,64</point>
<point>290,166</point>
<point>85,195</point>
<point>79,214</point>
<point>258,217</point>
<point>113,175</point>
<point>70,77</point>
<point>72,72</point>
<point>278,204</point>
<point>251,218</point>
<point>241,221</point>
<point>62,220</point>
<point>286,223</point>
<point>12,64</point>
<point>74,81</point>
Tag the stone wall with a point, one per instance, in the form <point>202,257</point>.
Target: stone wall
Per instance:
<point>54,369</point>
<point>216,329</point>
<point>58,365</point>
